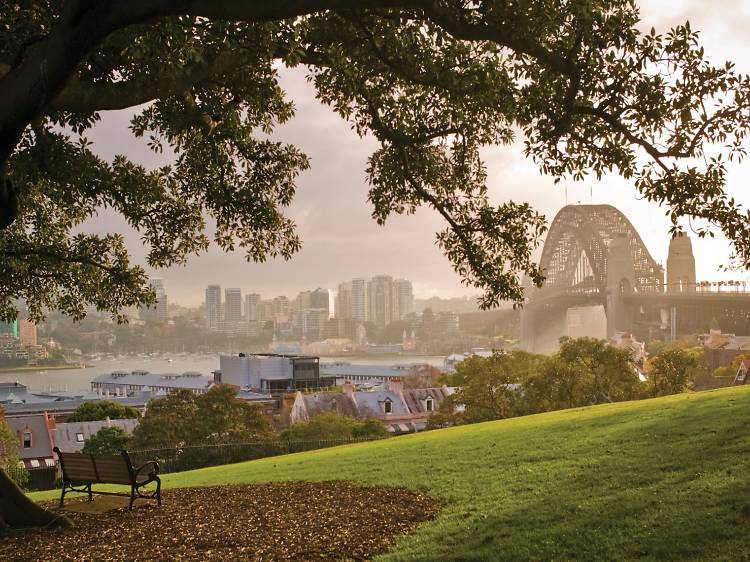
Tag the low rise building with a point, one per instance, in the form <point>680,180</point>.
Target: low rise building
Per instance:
<point>123,383</point>
<point>272,373</point>
<point>402,411</point>
<point>35,439</point>
<point>71,437</point>
<point>720,349</point>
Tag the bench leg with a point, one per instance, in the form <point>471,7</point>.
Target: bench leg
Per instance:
<point>158,491</point>
<point>62,495</point>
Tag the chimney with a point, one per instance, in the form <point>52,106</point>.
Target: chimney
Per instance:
<point>396,385</point>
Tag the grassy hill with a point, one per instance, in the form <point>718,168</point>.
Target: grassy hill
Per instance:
<point>663,479</point>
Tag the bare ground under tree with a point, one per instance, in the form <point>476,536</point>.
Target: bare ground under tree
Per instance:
<point>281,521</point>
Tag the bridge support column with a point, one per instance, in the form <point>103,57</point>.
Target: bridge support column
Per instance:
<point>620,280</point>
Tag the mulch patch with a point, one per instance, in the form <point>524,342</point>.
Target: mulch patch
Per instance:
<point>279,521</point>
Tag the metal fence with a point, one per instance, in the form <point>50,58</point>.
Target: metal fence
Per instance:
<point>43,478</point>
<point>178,459</point>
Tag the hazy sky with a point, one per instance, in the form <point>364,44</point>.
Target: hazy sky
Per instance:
<point>341,241</point>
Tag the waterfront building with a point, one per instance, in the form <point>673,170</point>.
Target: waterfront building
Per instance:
<point>27,333</point>
<point>269,372</point>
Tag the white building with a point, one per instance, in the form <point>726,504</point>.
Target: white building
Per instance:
<point>270,372</point>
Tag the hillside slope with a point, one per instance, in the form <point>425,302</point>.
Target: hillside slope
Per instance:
<point>656,479</point>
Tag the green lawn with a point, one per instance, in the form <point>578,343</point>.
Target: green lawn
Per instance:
<point>657,479</point>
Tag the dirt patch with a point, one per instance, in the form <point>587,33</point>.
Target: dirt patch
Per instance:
<point>281,521</point>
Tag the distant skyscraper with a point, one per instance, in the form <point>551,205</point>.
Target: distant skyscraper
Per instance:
<point>403,300</point>
<point>343,305</point>
<point>380,300</point>
<point>213,307</point>
<point>359,308</point>
<point>320,299</point>
<point>156,312</point>
<point>251,307</point>
<point>281,308</point>
<point>232,305</point>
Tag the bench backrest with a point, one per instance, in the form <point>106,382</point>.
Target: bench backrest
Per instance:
<point>104,469</point>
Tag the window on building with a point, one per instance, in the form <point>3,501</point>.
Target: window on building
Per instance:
<point>79,437</point>
<point>428,404</point>
<point>27,440</point>
<point>34,463</point>
<point>388,407</point>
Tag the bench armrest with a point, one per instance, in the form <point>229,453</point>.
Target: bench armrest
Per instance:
<point>154,470</point>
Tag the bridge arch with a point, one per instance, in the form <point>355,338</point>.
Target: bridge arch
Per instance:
<point>575,252</point>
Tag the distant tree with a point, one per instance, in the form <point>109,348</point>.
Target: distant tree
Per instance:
<point>673,371</point>
<point>425,376</point>
<point>331,426</point>
<point>585,371</point>
<point>96,410</point>
<point>729,371</point>
<point>490,388</point>
<point>168,421</point>
<point>183,417</point>
<point>107,441</point>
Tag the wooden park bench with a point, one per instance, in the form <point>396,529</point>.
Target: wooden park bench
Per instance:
<point>81,470</point>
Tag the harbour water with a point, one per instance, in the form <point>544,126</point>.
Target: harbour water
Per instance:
<point>79,379</point>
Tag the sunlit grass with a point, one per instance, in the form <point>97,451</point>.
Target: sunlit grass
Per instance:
<point>654,479</point>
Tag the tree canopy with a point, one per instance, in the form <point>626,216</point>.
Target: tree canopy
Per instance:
<point>434,81</point>
<point>184,418</point>
<point>96,410</point>
<point>107,441</point>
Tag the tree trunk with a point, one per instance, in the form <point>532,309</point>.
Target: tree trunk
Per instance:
<point>18,511</point>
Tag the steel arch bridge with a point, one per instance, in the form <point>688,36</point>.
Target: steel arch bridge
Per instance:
<point>576,252</point>
<point>594,256</point>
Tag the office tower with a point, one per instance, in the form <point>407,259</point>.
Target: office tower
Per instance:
<point>157,312</point>
<point>311,322</point>
<point>281,308</point>
<point>359,307</point>
<point>232,305</point>
<point>265,311</point>
<point>251,307</point>
<point>213,307</point>
<point>320,299</point>
<point>403,299</point>
<point>380,300</point>
<point>343,305</point>
<point>27,334</point>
